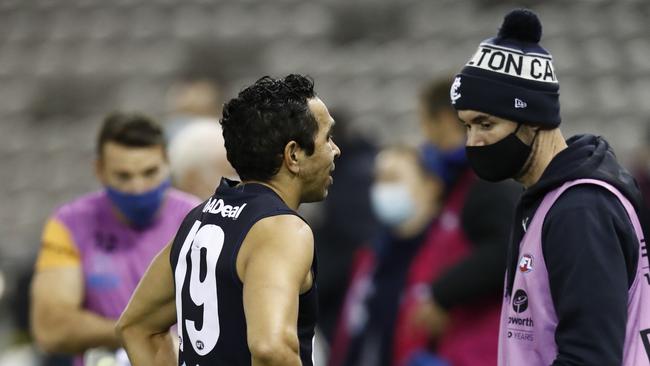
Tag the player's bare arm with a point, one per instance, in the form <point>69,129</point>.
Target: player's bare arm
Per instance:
<point>274,264</point>
<point>59,322</point>
<point>144,325</point>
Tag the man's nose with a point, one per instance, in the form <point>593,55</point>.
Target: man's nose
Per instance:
<point>473,138</point>
<point>138,185</point>
<point>337,150</point>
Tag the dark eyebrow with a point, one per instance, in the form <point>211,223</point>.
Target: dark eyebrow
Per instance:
<point>122,172</point>
<point>150,170</point>
<point>480,118</point>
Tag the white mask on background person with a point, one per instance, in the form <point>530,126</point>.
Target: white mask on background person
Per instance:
<point>392,203</point>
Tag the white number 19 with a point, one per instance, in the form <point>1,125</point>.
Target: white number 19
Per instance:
<point>202,292</point>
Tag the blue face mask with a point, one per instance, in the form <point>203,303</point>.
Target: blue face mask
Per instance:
<point>446,165</point>
<point>139,209</point>
<point>392,203</point>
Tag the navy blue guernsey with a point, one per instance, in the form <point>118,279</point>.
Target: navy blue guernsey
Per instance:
<point>209,293</point>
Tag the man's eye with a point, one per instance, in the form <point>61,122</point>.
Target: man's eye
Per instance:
<point>123,176</point>
<point>151,172</point>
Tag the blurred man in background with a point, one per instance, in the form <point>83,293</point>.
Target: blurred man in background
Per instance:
<point>96,248</point>
<point>190,101</point>
<point>455,297</point>
<point>406,199</point>
<point>197,158</point>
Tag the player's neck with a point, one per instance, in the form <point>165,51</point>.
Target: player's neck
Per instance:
<point>285,192</point>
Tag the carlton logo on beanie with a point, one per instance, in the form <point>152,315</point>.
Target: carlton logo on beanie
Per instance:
<point>511,76</point>
<point>453,93</point>
<point>514,63</point>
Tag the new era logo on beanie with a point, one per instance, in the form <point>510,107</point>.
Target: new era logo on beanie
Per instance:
<point>520,103</point>
<point>511,67</point>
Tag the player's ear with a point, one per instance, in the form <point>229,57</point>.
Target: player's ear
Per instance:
<point>292,156</point>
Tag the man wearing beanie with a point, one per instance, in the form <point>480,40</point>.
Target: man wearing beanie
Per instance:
<point>578,282</point>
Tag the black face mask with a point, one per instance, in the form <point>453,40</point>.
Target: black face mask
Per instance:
<point>500,160</point>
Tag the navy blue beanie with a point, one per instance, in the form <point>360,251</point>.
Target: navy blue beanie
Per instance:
<point>511,76</point>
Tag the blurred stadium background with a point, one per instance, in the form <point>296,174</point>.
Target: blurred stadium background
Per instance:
<point>65,63</point>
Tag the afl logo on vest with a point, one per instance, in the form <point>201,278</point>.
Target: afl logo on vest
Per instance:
<point>526,263</point>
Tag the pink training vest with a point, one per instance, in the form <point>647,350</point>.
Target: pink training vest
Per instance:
<point>114,256</point>
<point>528,318</point>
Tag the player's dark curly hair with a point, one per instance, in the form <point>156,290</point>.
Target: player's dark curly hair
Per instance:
<point>264,117</point>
